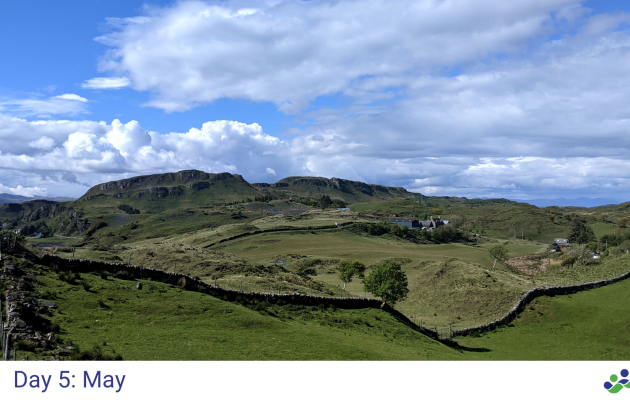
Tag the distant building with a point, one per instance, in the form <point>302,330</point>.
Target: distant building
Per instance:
<point>343,209</point>
<point>409,223</point>
<point>432,223</point>
<point>561,241</point>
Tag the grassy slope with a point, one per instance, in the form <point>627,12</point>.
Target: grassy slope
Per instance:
<point>162,322</point>
<point>165,323</point>
<point>589,325</point>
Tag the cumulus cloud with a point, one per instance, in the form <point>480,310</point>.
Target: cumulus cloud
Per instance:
<point>106,83</point>
<point>291,52</point>
<point>519,116</point>
<point>43,143</point>
<point>91,152</point>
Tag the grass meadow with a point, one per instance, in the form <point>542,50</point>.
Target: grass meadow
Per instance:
<point>163,322</point>
<point>591,325</point>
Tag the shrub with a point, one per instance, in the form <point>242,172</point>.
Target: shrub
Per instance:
<point>128,209</point>
<point>25,345</point>
<point>69,277</point>
<point>101,304</point>
<point>124,275</point>
<point>86,286</point>
<point>104,275</point>
<point>95,354</point>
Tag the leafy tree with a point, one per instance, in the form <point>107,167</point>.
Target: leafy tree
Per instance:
<point>324,201</point>
<point>388,282</point>
<point>581,233</point>
<point>348,268</point>
<point>499,253</point>
<point>592,246</point>
<point>581,255</point>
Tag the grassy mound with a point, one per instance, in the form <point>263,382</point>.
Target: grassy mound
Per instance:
<point>590,325</point>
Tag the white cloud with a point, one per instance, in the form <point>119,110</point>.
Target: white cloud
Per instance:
<point>291,52</point>
<point>73,97</point>
<point>66,104</point>
<point>106,83</point>
<point>43,143</point>
<point>23,191</point>
<point>546,119</point>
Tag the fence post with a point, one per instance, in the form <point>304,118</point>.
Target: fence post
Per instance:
<point>5,350</point>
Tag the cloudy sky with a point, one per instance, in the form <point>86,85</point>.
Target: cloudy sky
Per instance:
<point>523,99</point>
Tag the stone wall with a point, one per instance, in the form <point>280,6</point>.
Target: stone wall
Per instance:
<point>279,229</point>
<point>306,300</point>
<point>533,294</point>
<point>227,294</point>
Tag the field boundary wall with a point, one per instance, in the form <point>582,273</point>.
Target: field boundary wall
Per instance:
<point>279,229</point>
<point>192,284</point>
<point>533,294</point>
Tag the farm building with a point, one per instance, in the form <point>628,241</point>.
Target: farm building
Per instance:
<point>409,223</point>
<point>431,223</point>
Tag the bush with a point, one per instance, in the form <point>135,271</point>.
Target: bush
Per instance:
<point>104,275</point>
<point>101,304</point>
<point>69,277</point>
<point>25,345</point>
<point>126,275</point>
<point>128,209</point>
<point>86,286</point>
<point>95,354</point>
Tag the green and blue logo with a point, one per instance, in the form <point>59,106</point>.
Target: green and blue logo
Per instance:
<point>618,384</point>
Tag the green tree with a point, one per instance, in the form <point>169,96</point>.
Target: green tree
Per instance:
<point>499,253</point>
<point>348,268</point>
<point>581,233</point>
<point>388,282</point>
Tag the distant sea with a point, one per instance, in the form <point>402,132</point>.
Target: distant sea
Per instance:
<point>579,202</point>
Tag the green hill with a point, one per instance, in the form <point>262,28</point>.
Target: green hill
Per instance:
<point>337,189</point>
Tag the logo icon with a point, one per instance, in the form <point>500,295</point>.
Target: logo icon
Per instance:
<point>617,384</point>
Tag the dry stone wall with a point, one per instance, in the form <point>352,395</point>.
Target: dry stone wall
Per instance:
<point>533,294</point>
<point>227,294</point>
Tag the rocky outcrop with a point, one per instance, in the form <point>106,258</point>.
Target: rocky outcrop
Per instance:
<point>24,313</point>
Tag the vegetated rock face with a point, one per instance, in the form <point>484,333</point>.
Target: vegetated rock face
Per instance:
<point>161,181</point>
<point>346,190</point>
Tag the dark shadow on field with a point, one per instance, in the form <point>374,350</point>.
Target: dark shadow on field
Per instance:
<point>448,342</point>
<point>456,346</point>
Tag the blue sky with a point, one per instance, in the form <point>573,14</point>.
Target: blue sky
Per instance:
<point>503,99</point>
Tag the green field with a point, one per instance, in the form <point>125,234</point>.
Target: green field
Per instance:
<point>188,222</point>
<point>162,322</point>
<point>590,325</point>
